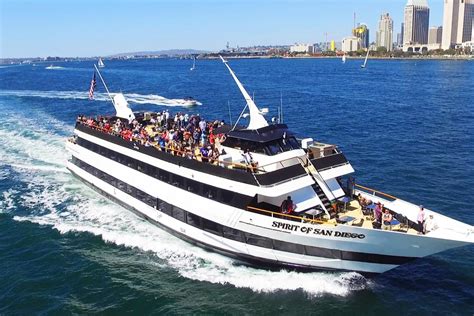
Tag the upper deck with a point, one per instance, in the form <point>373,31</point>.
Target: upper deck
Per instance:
<point>275,157</point>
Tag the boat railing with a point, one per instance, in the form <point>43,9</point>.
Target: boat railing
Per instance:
<point>288,216</point>
<point>254,168</point>
<point>280,164</point>
<point>375,193</point>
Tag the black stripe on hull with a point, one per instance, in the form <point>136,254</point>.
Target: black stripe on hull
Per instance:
<point>245,258</point>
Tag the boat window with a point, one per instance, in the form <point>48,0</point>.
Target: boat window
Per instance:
<point>165,207</point>
<point>164,176</point>
<point>285,144</point>
<point>233,234</point>
<point>274,148</point>
<point>211,227</point>
<point>121,185</point>
<point>193,220</point>
<point>150,200</point>
<point>294,143</point>
<point>141,166</point>
<point>227,196</point>
<point>179,214</point>
<point>132,163</point>
<point>192,186</point>
<point>322,252</point>
<point>103,151</point>
<point>258,241</point>
<point>288,247</point>
<point>177,181</point>
<point>209,192</point>
<point>131,190</point>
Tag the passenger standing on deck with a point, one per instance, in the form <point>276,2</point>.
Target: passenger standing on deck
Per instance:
<point>421,220</point>
<point>430,224</point>
<point>378,212</point>
<point>287,206</point>
<point>386,220</point>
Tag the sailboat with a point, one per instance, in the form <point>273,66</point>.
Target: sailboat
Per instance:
<point>365,61</point>
<point>194,64</point>
<point>100,63</point>
<point>344,58</point>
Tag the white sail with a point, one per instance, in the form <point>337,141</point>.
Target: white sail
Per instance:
<point>101,63</point>
<point>343,58</point>
<point>122,108</point>
<point>366,57</point>
<point>256,118</point>
<point>194,64</point>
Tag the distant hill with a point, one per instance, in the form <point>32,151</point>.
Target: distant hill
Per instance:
<point>169,52</point>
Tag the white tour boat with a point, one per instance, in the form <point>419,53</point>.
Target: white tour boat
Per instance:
<point>230,201</point>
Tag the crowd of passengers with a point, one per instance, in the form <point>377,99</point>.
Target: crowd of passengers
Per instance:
<point>182,135</point>
<point>383,217</point>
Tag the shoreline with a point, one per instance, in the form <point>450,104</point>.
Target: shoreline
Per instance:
<point>454,58</point>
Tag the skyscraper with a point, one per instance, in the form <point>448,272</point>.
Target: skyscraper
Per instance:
<point>385,32</point>
<point>435,35</point>
<point>457,22</point>
<point>362,32</point>
<point>417,19</point>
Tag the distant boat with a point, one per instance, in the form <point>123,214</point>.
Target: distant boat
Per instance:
<point>101,63</point>
<point>194,64</point>
<point>365,61</point>
<point>344,58</point>
<point>54,67</point>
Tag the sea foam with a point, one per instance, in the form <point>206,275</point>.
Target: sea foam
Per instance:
<point>133,98</point>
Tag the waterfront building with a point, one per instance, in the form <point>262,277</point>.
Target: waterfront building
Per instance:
<point>457,22</point>
<point>417,18</point>
<point>362,32</point>
<point>351,44</point>
<point>385,32</point>
<point>302,48</point>
<point>435,34</point>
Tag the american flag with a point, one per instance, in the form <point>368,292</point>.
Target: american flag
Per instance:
<point>91,89</point>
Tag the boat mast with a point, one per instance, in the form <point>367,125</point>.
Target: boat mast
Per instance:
<point>256,118</point>
<point>103,82</point>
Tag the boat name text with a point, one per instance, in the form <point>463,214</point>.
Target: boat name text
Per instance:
<point>316,231</point>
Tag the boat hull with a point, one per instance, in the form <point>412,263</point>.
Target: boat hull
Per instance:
<point>255,238</point>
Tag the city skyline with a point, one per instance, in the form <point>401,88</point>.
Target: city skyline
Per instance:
<point>87,28</point>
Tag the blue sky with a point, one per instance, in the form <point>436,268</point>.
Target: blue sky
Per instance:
<point>32,28</point>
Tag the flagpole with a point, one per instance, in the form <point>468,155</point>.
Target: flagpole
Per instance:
<point>103,82</point>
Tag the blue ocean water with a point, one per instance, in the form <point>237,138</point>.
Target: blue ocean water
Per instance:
<point>406,126</point>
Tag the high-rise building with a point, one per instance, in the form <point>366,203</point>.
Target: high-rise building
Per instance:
<point>350,44</point>
<point>435,34</point>
<point>457,22</point>
<point>385,32</point>
<point>417,19</point>
<point>362,32</point>
<point>302,48</point>
<point>402,31</point>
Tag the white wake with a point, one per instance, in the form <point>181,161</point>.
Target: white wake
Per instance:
<point>132,98</point>
<point>54,198</point>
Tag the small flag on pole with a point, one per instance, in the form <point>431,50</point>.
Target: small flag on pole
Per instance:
<point>91,89</point>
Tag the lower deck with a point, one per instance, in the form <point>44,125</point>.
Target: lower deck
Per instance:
<point>350,213</point>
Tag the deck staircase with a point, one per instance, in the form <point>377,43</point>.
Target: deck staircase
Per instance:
<point>311,170</point>
<point>322,196</point>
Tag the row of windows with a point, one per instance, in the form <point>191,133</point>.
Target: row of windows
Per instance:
<point>220,195</point>
<point>203,223</point>
<point>270,148</point>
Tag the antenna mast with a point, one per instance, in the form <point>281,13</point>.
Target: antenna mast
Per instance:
<point>103,82</point>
